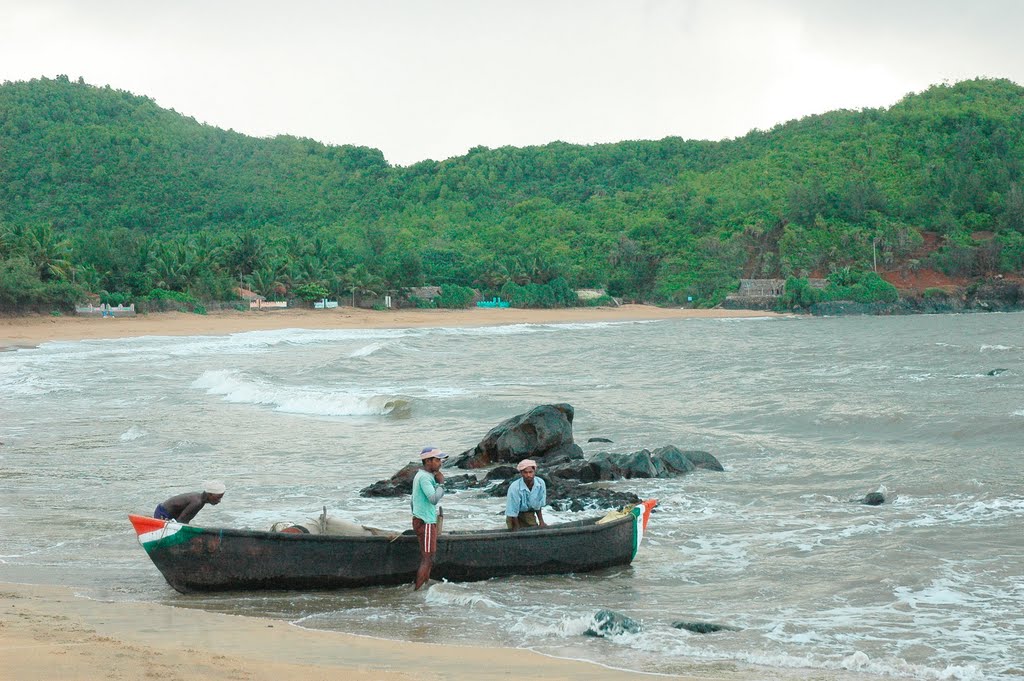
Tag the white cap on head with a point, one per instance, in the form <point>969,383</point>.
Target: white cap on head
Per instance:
<point>214,487</point>
<point>526,463</point>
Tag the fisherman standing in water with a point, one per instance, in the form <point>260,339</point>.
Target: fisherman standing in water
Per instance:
<point>426,493</point>
<point>184,507</point>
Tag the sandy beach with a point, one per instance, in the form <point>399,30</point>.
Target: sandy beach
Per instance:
<point>30,331</point>
<point>49,634</point>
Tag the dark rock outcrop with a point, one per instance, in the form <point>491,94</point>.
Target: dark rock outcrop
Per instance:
<point>994,372</point>
<point>398,484</point>
<point>543,429</point>
<point>672,461</point>
<point>995,295</point>
<point>699,459</point>
<point>873,499</point>
<point>545,435</point>
<point>586,498</point>
<point>703,627</point>
<point>598,439</point>
<point>611,623</point>
<point>501,473</point>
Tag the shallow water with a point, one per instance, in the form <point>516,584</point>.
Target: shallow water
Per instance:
<point>806,414</point>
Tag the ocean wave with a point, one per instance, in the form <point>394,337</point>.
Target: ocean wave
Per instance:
<point>565,627</point>
<point>998,348</point>
<point>978,512</point>
<point>366,350</point>
<point>133,433</point>
<point>236,387</point>
<point>448,593</point>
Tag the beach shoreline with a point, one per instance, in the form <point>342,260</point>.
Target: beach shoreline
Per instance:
<point>30,331</point>
<point>49,633</point>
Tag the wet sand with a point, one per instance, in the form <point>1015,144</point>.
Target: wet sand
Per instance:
<point>30,331</point>
<point>49,634</point>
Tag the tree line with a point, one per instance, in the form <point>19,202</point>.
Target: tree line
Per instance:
<point>103,191</point>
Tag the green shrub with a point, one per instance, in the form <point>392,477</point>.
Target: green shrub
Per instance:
<point>555,293</point>
<point>935,293</point>
<point>454,296</point>
<point>799,293</point>
<point>116,298</point>
<point>844,284</point>
<point>177,296</point>
<point>311,292</point>
<point>602,301</point>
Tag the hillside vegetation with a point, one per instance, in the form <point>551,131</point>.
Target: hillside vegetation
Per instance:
<point>103,191</point>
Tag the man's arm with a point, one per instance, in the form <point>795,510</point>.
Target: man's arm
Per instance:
<point>437,494</point>
<point>512,507</point>
<point>194,506</point>
<point>543,501</point>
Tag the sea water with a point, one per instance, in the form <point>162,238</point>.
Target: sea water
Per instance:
<point>807,415</point>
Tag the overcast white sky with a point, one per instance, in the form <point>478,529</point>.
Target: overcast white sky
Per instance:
<point>432,78</point>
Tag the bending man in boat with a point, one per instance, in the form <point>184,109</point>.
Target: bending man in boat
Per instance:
<point>184,507</point>
<point>426,493</point>
<point>526,498</point>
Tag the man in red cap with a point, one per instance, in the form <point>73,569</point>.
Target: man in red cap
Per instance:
<point>526,497</point>
<point>426,493</point>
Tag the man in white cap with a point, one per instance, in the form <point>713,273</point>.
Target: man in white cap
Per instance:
<point>426,493</point>
<point>184,507</point>
<point>526,498</point>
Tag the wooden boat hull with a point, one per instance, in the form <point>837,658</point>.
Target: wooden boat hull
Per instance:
<point>213,559</point>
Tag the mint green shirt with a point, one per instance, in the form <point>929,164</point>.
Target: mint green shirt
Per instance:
<point>425,495</point>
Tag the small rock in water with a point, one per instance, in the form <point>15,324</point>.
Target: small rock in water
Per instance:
<point>611,623</point>
<point>873,499</point>
<point>598,439</point>
<point>995,372</point>
<point>703,627</point>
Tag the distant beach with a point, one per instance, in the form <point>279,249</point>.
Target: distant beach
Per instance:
<point>30,331</point>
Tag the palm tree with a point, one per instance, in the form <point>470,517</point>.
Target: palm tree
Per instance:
<point>360,282</point>
<point>49,253</point>
<point>265,282</point>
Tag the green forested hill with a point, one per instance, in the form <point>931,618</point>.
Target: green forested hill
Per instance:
<point>102,190</point>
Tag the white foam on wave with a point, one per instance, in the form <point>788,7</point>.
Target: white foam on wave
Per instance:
<point>565,627</point>
<point>366,350</point>
<point>447,593</point>
<point>997,348</point>
<point>973,511</point>
<point>940,592</point>
<point>236,387</point>
<point>677,643</point>
<point>133,433</point>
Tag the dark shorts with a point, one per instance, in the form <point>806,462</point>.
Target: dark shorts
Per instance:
<point>161,513</point>
<point>427,534</point>
<point>526,519</point>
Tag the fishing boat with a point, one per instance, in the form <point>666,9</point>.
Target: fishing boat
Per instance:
<point>218,559</point>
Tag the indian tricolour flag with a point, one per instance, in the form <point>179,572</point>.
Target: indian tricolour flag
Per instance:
<point>153,531</point>
<point>641,514</point>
